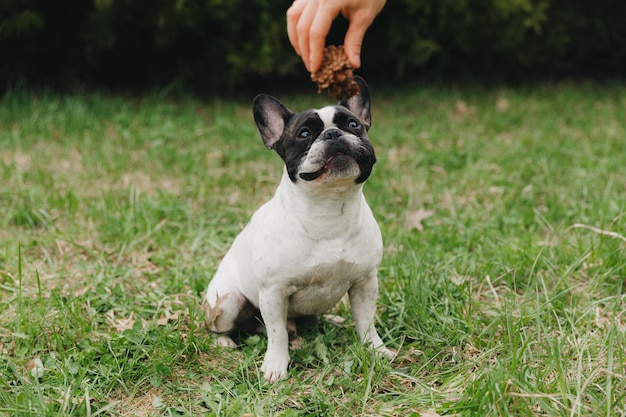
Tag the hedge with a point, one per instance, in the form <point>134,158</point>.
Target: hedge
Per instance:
<point>211,44</point>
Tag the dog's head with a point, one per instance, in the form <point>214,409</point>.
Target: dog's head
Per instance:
<point>320,146</point>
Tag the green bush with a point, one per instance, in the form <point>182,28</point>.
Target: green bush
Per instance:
<point>507,38</point>
<point>206,43</point>
<point>212,44</point>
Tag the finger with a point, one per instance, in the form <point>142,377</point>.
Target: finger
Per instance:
<point>354,40</point>
<point>303,28</point>
<point>293,15</point>
<point>317,37</point>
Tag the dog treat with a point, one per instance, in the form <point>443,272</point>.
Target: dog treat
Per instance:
<point>335,75</point>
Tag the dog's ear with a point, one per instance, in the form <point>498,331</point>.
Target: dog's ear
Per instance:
<point>270,116</point>
<point>360,104</point>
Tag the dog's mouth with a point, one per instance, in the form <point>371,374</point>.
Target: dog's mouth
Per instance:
<point>338,160</point>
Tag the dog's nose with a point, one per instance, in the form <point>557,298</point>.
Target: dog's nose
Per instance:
<point>333,134</point>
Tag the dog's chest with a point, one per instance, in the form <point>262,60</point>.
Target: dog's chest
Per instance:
<point>312,252</point>
<point>322,286</point>
<point>323,273</point>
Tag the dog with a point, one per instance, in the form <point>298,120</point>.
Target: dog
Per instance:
<point>314,241</point>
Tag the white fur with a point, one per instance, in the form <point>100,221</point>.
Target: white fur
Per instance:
<point>327,114</point>
<point>299,255</point>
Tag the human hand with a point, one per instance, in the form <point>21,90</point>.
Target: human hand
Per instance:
<point>308,23</point>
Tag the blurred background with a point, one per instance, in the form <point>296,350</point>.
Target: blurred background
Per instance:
<point>220,46</point>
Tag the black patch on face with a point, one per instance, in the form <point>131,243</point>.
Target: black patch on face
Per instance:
<point>292,146</point>
<point>346,120</point>
<point>364,154</point>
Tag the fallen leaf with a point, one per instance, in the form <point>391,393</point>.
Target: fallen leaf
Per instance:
<point>502,104</point>
<point>36,368</point>
<point>157,402</point>
<point>82,291</point>
<point>167,318</point>
<point>414,219</point>
<point>459,279</point>
<point>461,109</point>
<point>120,324</point>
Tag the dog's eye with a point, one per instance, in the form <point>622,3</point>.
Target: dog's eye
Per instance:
<point>353,124</point>
<point>304,133</point>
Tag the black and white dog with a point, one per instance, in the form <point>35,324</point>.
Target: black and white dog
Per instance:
<point>315,240</point>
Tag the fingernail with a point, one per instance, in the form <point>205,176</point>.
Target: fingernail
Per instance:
<point>356,60</point>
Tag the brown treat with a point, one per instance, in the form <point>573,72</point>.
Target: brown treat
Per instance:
<point>335,75</point>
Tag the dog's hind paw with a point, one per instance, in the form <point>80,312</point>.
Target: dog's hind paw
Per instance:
<point>226,341</point>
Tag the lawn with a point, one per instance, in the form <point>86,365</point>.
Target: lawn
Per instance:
<point>502,286</point>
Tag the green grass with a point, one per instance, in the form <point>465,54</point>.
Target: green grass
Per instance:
<point>114,213</point>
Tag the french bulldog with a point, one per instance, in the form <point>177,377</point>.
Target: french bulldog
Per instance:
<point>314,241</point>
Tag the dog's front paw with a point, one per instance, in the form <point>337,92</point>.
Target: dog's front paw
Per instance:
<point>275,367</point>
<point>386,353</point>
